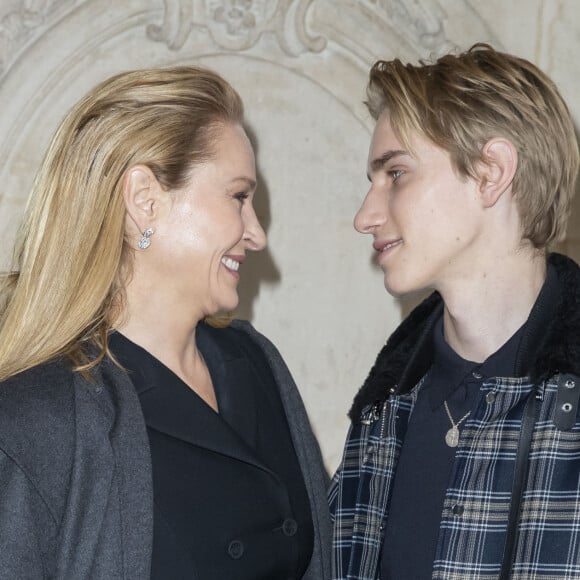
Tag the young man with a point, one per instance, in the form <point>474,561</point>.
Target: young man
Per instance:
<point>463,457</point>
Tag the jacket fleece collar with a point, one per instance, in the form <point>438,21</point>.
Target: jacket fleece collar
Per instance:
<point>552,346</point>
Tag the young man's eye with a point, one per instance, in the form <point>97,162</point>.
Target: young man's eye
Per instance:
<point>395,173</point>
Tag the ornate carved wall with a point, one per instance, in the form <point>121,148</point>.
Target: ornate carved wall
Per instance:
<point>300,66</point>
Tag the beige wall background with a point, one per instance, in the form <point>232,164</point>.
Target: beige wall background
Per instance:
<point>301,67</point>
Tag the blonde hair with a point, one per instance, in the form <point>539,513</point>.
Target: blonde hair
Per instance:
<point>460,102</point>
<point>71,260</point>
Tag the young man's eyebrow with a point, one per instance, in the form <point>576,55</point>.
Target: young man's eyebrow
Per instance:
<point>379,162</point>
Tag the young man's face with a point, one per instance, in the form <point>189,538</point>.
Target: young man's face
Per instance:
<point>425,219</point>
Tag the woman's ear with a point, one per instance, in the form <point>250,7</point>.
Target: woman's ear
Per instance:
<point>143,196</point>
<point>500,161</point>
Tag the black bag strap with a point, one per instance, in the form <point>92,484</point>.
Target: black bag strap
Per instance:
<point>520,476</point>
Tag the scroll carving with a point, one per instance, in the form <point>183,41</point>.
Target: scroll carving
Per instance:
<point>421,20</point>
<point>238,24</point>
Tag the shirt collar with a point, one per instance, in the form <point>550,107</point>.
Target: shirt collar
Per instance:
<point>450,371</point>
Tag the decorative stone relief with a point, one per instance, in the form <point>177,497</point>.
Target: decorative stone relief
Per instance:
<point>420,20</point>
<point>20,19</point>
<point>372,29</point>
<point>238,24</point>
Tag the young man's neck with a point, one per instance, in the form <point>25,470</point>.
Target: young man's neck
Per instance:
<point>482,314</point>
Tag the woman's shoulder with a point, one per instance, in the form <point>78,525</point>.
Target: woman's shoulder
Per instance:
<point>37,426</point>
<point>42,394</point>
<point>37,405</point>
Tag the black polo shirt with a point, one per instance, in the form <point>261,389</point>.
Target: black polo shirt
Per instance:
<point>424,466</point>
<point>241,514</point>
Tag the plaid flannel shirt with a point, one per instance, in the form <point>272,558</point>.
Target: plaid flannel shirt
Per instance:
<point>475,513</point>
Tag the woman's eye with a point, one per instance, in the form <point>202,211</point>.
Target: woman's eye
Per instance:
<point>241,196</point>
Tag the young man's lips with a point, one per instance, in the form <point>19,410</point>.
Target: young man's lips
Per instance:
<point>381,246</point>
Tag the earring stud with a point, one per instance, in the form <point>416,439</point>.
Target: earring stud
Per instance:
<point>145,240</point>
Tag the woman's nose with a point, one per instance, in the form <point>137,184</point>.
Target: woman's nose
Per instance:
<point>254,234</point>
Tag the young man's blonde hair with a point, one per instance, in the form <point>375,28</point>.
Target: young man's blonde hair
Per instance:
<point>460,102</point>
<point>72,261</point>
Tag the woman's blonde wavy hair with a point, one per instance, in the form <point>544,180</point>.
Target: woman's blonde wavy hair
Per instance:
<point>71,260</point>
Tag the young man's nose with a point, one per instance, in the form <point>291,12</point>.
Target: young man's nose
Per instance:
<point>370,215</point>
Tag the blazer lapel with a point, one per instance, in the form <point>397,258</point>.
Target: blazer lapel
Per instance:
<point>234,383</point>
<point>190,419</point>
<point>186,416</point>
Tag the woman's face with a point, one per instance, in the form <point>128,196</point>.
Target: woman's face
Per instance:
<point>201,241</point>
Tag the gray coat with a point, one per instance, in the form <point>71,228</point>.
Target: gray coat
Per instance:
<point>75,473</point>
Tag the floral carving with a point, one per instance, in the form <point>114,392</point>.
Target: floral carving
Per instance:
<point>238,24</point>
<point>237,15</point>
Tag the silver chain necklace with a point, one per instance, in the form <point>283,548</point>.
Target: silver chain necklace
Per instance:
<point>452,436</point>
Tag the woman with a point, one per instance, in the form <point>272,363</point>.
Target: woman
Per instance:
<point>136,440</point>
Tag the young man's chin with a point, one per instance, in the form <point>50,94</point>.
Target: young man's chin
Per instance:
<point>407,293</point>
<point>400,288</point>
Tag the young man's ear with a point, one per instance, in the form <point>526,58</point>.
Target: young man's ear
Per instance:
<point>500,161</point>
<point>143,196</point>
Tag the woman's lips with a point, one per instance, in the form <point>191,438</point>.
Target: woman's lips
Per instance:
<point>232,264</point>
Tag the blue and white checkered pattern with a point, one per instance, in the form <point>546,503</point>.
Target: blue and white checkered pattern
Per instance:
<point>475,513</point>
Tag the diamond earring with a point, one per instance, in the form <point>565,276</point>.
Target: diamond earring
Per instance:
<point>145,241</point>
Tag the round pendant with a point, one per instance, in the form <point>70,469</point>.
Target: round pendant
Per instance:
<point>452,437</point>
